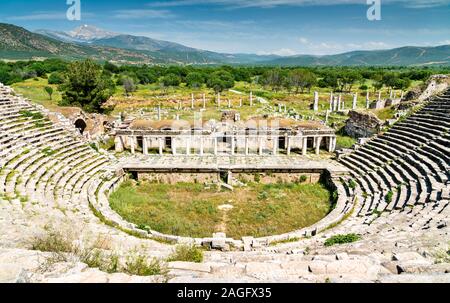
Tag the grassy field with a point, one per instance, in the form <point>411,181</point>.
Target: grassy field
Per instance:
<point>192,210</point>
<point>33,89</point>
<point>147,98</point>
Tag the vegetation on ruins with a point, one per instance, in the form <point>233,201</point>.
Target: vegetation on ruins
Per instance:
<point>64,246</point>
<point>186,253</point>
<point>189,209</point>
<point>342,239</point>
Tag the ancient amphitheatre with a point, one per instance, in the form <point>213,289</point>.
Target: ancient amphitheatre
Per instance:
<point>391,194</point>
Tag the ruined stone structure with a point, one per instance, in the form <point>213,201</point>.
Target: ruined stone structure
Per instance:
<point>259,137</point>
<point>396,197</point>
<point>362,124</point>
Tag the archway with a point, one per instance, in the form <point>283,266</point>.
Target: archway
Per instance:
<point>81,125</point>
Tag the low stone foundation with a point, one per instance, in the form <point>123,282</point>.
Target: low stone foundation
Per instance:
<point>276,177</point>
<point>179,177</point>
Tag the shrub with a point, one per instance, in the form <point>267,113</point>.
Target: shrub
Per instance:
<point>186,253</point>
<point>303,179</point>
<point>55,78</point>
<point>342,239</point>
<point>389,196</point>
<point>53,241</point>
<point>352,184</point>
<point>140,265</point>
<point>257,178</point>
<point>93,146</point>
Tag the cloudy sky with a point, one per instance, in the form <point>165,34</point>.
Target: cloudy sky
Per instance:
<point>283,27</point>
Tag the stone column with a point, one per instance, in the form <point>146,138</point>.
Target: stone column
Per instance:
<point>118,142</point>
<point>327,115</point>
<point>355,101</point>
<point>379,96</point>
<point>174,146</point>
<point>335,104</point>
<point>133,151</point>
<point>288,150</point>
<point>391,94</point>
<point>202,146</point>
<point>331,101</point>
<point>145,145</point>
<point>216,151</point>
<point>339,102</point>
<point>246,146</point>
<point>251,98</point>
<point>192,101</point>
<point>402,96</point>
<point>233,145</point>
<point>316,101</point>
<point>218,100</point>
<point>318,142</point>
<point>229,103</point>
<point>204,101</point>
<point>331,144</point>
<point>260,146</point>
<point>275,145</point>
<point>188,146</point>
<point>240,102</point>
<point>159,112</point>
<point>367,100</point>
<point>305,146</point>
<point>161,150</point>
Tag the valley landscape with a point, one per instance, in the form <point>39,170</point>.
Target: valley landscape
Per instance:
<point>126,158</point>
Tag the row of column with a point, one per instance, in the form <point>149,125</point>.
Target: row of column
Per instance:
<point>275,146</point>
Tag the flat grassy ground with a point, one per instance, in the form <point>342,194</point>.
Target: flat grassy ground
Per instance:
<point>188,209</point>
<point>33,89</point>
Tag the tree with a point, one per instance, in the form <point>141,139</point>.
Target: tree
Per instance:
<point>49,91</point>
<point>220,81</point>
<point>128,85</point>
<point>86,86</point>
<point>195,80</point>
<point>171,80</point>
<point>55,78</point>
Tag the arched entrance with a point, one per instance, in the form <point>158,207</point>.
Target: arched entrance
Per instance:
<point>80,125</point>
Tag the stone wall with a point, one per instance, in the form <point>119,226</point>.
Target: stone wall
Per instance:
<point>271,178</point>
<point>177,177</point>
<point>362,125</point>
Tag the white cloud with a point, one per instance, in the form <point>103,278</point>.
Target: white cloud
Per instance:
<point>275,3</point>
<point>142,14</point>
<point>280,52</point>
<point>39,16</point>
<point>46,15</point>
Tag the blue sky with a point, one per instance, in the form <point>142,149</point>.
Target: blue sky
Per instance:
<point>284,27</point>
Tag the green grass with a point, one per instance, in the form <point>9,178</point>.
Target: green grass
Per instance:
<point>187,209</point>
<point>186,253</point>
<point>342,239</point>
<point>344,141</point>
<point>387,113</point>
<point>34,90</point>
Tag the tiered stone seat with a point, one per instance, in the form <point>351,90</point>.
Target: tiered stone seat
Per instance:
<point>410,161</point>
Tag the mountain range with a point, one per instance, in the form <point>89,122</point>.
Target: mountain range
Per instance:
<point>89,41</point>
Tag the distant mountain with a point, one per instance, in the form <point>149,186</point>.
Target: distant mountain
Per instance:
<point>85,33</point>
<point>18,43</point>
<point>89,41</point>
<point>404,56</point>
<point>161,51</point>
